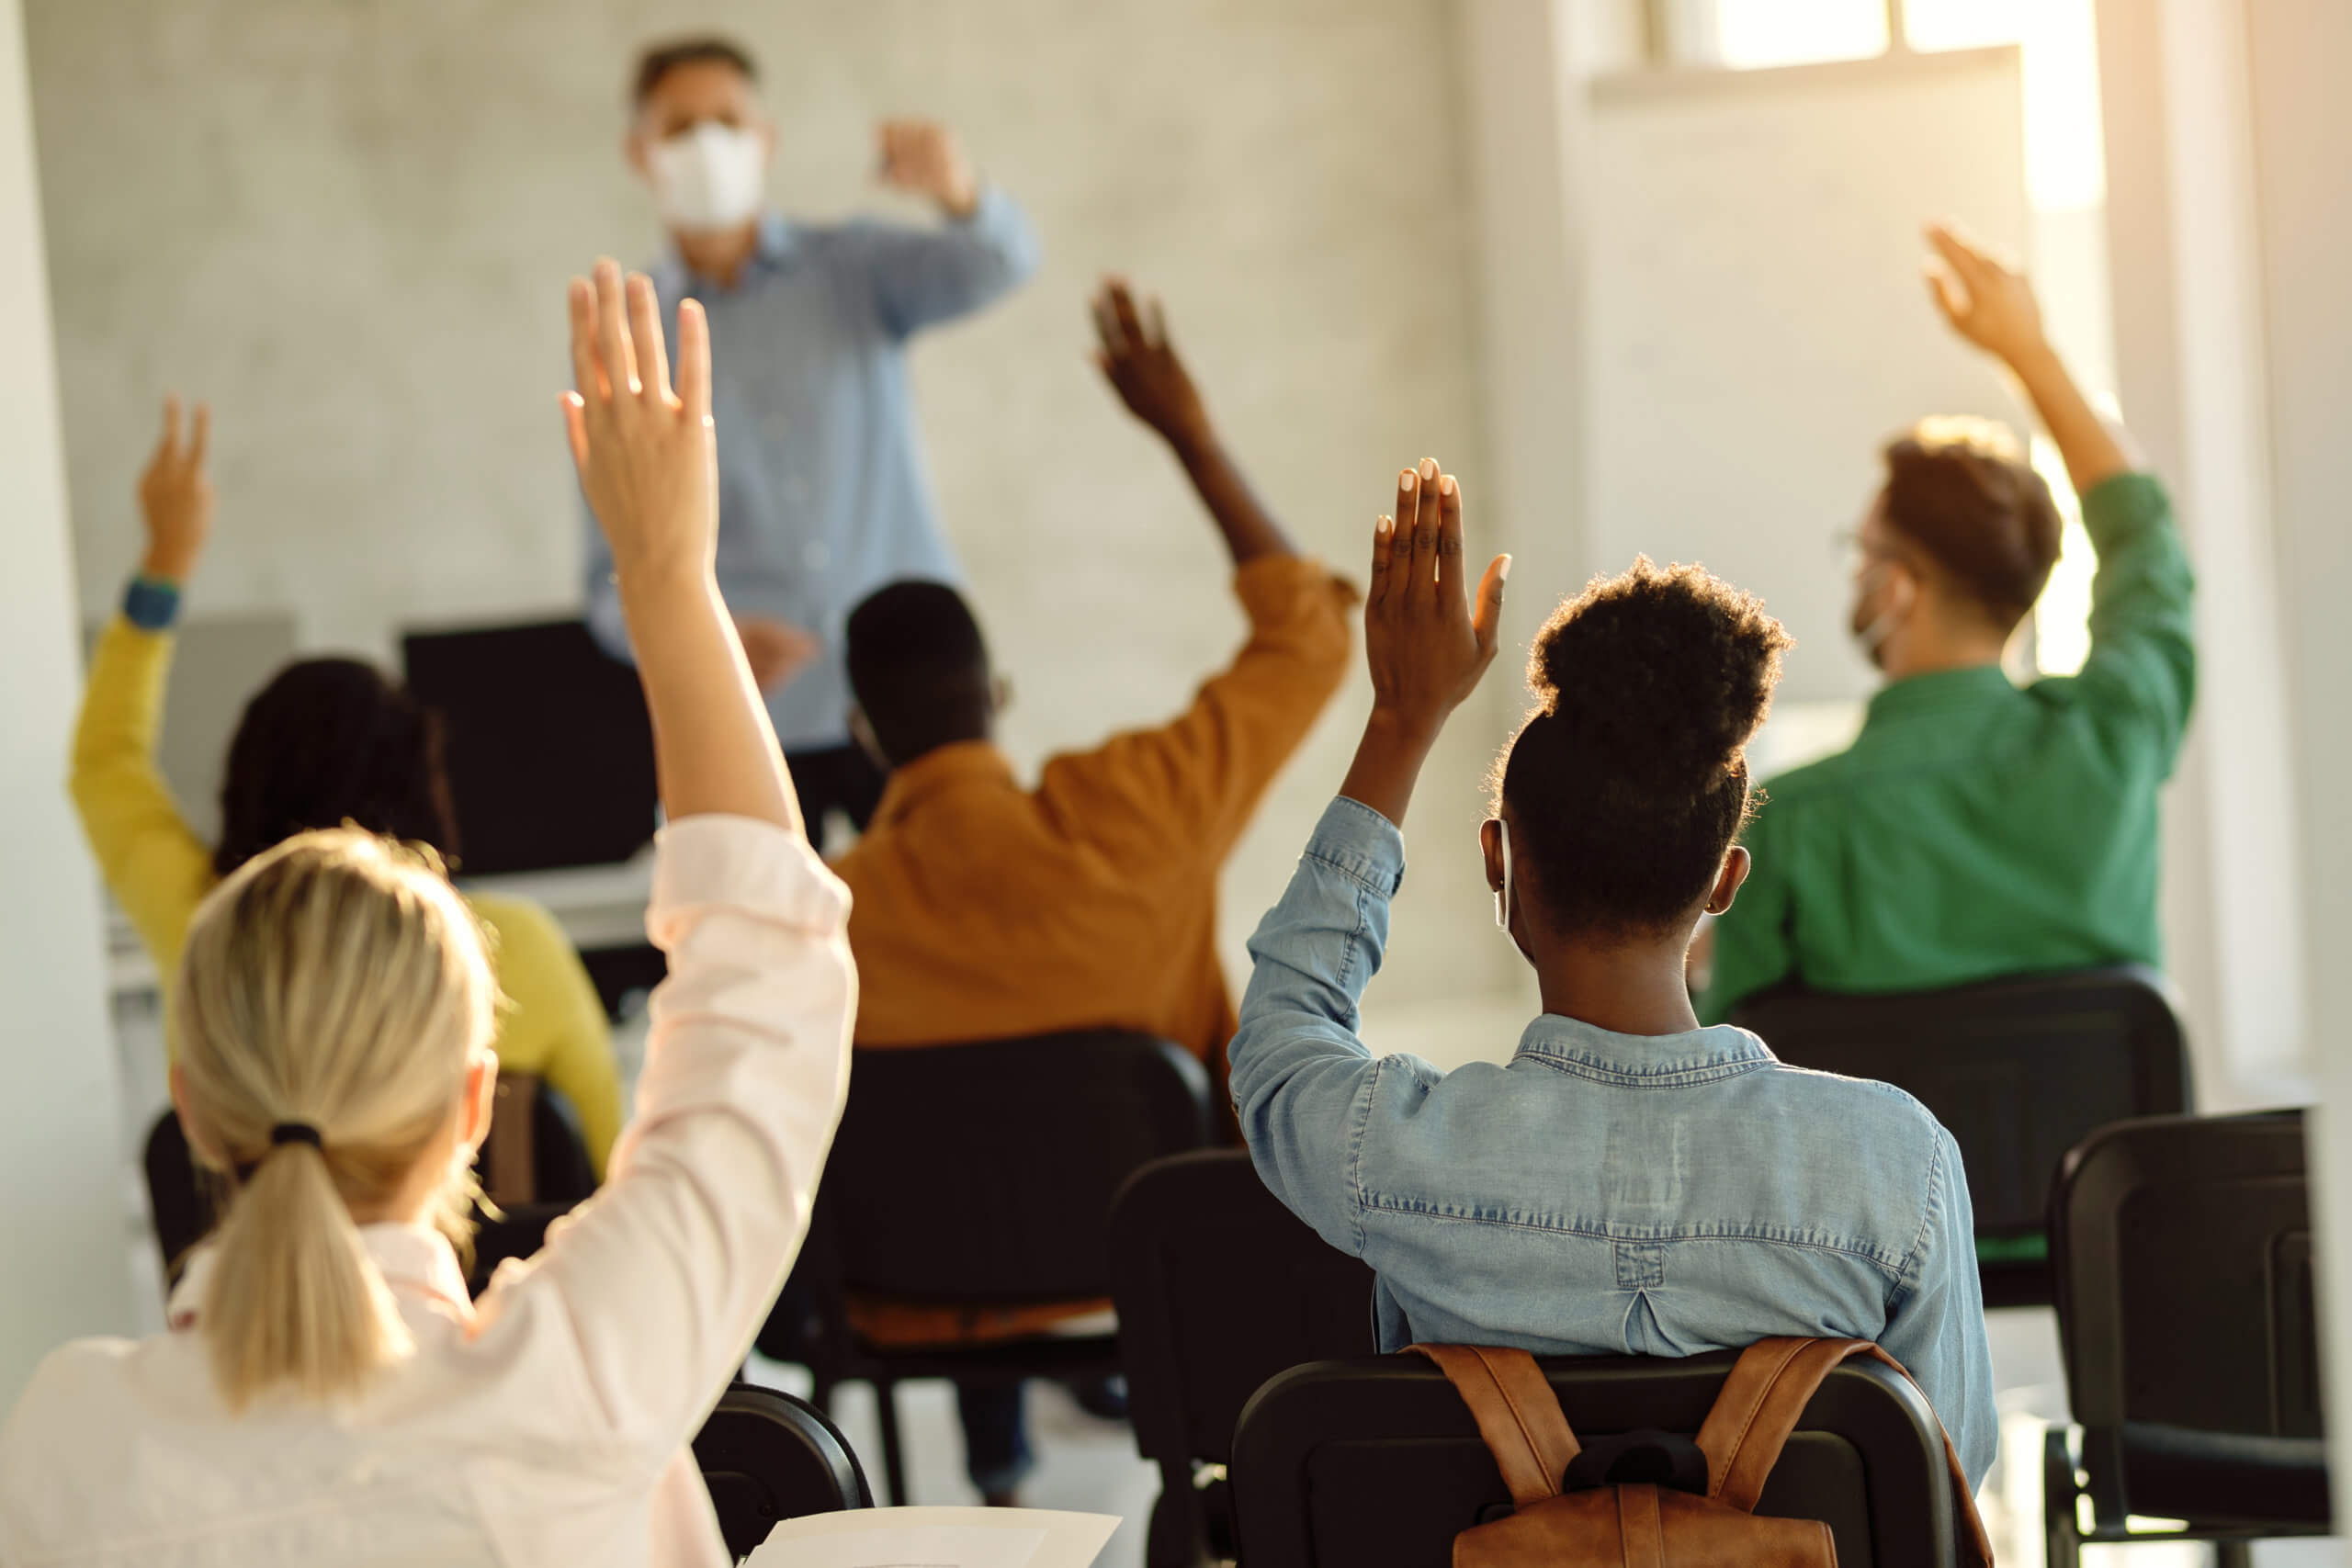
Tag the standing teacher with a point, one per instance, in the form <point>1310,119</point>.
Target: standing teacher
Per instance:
<point>823,494</point>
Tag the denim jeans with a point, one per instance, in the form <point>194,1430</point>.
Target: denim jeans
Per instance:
<point>996,1436</point>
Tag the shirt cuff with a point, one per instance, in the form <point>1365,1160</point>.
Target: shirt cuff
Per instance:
<point>716,861</point>
<point>151,604</point>
<point>1359,842</point>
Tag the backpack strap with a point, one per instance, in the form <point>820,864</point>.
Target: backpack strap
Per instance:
<point>1518,1414</point>
<point>1760,1403</point>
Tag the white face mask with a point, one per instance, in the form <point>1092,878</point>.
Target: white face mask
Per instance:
<point>709,178</point>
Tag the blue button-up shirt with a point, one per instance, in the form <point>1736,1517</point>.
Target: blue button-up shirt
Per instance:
<point>822,493</point>
<point>1602,1194</point>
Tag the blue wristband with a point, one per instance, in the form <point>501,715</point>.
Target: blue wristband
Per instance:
<point>151,605</point>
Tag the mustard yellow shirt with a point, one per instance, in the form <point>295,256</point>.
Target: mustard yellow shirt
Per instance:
<point>159,871</point>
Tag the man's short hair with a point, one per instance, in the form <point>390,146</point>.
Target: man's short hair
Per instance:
<point>660,59</point>
<point>919,668</point>
<point>1961,490</point>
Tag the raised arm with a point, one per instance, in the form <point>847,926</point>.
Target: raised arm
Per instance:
<point>1142,366</point>
<point>984,248</point>
<point>1301,1078</point>
<point>1992,305</point>
<point>151,860</point>
<point>660,1282</point>
<point>2141,672</point>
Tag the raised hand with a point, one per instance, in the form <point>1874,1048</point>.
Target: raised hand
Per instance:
<point>648,456</point>
<point>923,156</point>
<point>1137,358</point>
<point>176,497</point>
<point>778,651</point>
<point>1988,302</point>
<point>1426,642</point>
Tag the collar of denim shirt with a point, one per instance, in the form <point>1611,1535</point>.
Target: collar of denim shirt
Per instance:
<point>1645,1061</point>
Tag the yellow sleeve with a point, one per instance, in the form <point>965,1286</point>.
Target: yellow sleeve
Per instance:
<point>158,869</point>
<point>555,1028</point>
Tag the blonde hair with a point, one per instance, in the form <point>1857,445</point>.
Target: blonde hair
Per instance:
<point>336,985</point>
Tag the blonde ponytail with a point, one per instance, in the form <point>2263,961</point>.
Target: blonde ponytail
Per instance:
<point>331,995</point>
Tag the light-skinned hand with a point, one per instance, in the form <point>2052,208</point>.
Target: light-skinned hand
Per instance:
<point>648,456</point>
<point>176,497</point>
<point>1986,301</point>
<point>924,157</point>
<point>1426,643</point>
<point>1141,364</point>
<point>778,651</point>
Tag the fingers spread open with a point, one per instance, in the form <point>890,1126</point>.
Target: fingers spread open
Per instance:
<point>613,346</point>
<point>645,331</point>
<point>694,360</point>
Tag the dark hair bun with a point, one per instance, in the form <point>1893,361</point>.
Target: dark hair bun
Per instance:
<point>1666,670</point>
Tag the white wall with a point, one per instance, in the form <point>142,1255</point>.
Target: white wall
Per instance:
<point>61,1184</point>
<point>348,226</point>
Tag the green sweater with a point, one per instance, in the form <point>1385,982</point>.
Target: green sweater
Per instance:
<point>1976,829</point>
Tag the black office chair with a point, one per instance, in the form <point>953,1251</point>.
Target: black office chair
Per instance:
<point>2183,1248</point>
<point>185,1199</point>
<point>767,1457</point>
<point>980,1176</point>
<point>1218,1287</point>
<point>2018,1069</point>
<point>1341,1463</point>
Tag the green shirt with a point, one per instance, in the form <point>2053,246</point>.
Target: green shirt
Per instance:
<point>1974,828</point>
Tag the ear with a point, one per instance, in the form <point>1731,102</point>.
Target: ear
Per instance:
<point>1490,844</point>
<point>1737,865</point>
<point>480,1100</point>
<point>1000,695</point>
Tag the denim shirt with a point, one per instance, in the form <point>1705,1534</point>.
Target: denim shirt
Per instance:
<point>1602,1194</point>
<point>823,496</point>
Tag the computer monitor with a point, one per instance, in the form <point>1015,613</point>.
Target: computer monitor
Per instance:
<point>550,754</point>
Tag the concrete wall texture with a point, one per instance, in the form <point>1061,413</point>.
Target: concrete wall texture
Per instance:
<point>347,225</point>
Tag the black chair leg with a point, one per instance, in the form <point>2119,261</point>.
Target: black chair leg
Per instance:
<point>2062,1540</point>
<point>1174,1540</point>
<point>2233,1554</point>
<point>894,1455</point>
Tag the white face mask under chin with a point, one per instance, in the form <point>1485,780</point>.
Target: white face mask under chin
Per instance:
<point>710,178</point>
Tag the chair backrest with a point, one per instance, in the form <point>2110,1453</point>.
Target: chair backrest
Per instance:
<point>535,1152</point>
<point>767,1457</point>
<point>1219,1288</point>
<point>550,750</point>
<point>1379,1461</point>
<point>2183,1251</point>
<point>2018,1069</point>
<point>984,1173</point>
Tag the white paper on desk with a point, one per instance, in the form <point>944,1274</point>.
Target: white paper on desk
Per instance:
<point>937,1537</point>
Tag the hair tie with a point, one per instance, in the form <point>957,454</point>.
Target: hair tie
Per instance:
<point>295,1132</point>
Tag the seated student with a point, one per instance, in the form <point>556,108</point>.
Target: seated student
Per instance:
<point>325,1392</point>
<point>1630,1183</point>
<point>327,741</point>
<point>1974,828</point>
<point>985,911</point>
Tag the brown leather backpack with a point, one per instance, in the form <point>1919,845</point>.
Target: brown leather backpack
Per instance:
<point>1642,1525</point>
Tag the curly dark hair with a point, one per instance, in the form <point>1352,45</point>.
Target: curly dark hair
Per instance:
<point>1961,491</point>
<point>1629,780</point>
<point>329,742</point>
